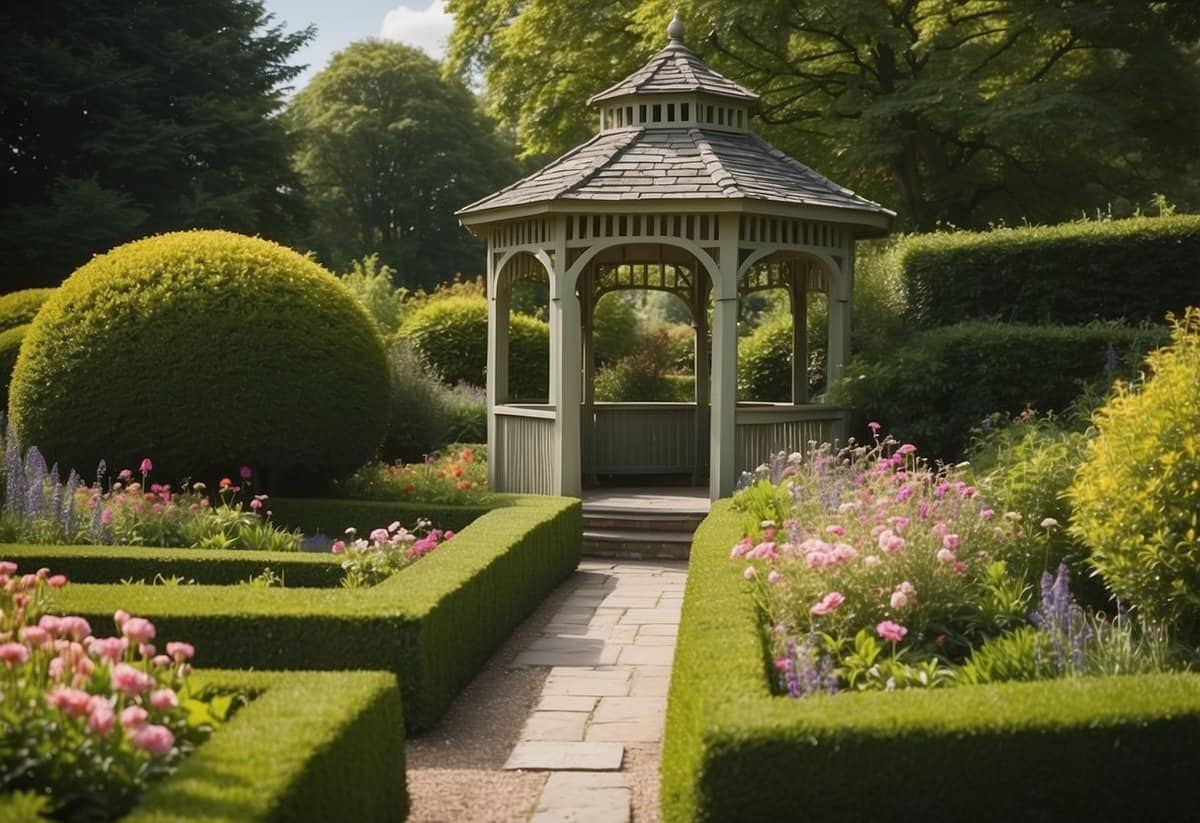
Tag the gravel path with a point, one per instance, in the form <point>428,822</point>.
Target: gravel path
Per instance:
<point>574,699</point>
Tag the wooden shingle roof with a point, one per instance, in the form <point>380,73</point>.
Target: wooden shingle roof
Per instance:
<point>671,164</point>
<point>675,70</point>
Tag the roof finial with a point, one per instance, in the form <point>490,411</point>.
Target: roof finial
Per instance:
<point>675,29</point>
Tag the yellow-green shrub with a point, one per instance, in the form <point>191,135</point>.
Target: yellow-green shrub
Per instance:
<point>203,350</point>
<point>18,308</point>
<point>1136,496</point>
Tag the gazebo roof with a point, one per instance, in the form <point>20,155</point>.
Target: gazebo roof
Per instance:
<point>648,154</point>
<point>675,164</point>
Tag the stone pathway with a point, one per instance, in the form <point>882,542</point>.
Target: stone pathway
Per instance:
<point>597,726</point>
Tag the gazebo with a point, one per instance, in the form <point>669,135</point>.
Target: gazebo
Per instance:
<point>675,193</point>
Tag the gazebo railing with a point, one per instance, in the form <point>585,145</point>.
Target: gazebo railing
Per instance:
<point>523,451</point>
<point>643,438</point>
<point>762,429</point>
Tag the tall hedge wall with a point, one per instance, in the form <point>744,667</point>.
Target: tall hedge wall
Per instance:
<point>1136,269</point>
<point>943,382</point>
<point>1101,749</point>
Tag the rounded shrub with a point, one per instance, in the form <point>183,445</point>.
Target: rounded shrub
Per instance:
<point>203,350</point>
<point>10,347</point>
<point>1136,496</point>
<point>765,362</point>
<point>18,308</point>
<point>451,334</point>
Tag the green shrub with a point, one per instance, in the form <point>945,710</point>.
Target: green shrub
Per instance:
<point>1136,269</point>
<point>1104,748</point>
<point>765,362</point>
<point>1026,466</point>
<point>615,327</point>
<point>944,382</point>
<point>10,347</point>
<point>1136,496</point>
<point>641,377</point>
<point>203,350</point>
<point>434,624</point>
<point>466,415</point>
<point>18,308</point>
<point>417,422</point>
<point>284,755</point>
<point>451,334</point>
<point>371,284</point>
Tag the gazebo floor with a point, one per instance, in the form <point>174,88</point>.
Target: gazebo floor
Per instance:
<point>642,522</point>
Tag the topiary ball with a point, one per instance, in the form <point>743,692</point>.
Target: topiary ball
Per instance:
<point>18,308</point>
<point>1136,496</point>
<point>204,351</point>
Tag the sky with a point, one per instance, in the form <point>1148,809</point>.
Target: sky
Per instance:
<point>421,23</point>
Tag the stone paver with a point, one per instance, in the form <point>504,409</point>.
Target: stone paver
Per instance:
<point>608,651</point>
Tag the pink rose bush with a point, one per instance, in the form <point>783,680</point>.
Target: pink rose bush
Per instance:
<point>88,720</point>
<point>882,567</point>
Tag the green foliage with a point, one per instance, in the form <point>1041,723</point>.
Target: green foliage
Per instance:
<point>373,285</point>
<point>1136,269</point>
<point>1014,655</point>
<point>942,383</point>
<point>10,348</point>
<point>107,139</point>
<point>434,624</point>
<point>206,351</point>
<point>388,149</point>
<point>283,756</point>
<point>18,308</point>
<point>615,327</point>
<point>962,114</point>
<point>417,423</point>
<point>643,376</point>
<point>1026,466</point>
<point>453,477</point>
<point>451,334</point>
<point>765,361</point>
<point>732,751</point>
<point>1136,496</point>
<point>466,414</point>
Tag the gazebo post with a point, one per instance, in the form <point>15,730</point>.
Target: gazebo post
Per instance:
<point>566,360</point>
<point>722,455</point>
<point>497,362</point>
<point>799,289</point>
<point>839,318</point>
<point>587,308</point>
<point>702,395</point>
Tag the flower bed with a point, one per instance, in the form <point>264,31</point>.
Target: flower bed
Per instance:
<point>1088,748</point>
<point>433,624</point>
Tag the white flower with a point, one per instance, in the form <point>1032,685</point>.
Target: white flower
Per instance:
<point>1049,523</point>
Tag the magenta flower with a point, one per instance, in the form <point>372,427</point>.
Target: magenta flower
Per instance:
<point>890,631</point>
<point>875,427</point>
<point>951,541</point>
<point>829,604</point>
<point>146,466</point>
<point>106,517</point>
<point>246,472</point>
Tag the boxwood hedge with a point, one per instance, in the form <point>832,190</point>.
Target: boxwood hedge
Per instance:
<point>1136,269</point>
<point>10,347</point>
<point>18,308</point>
<point>433,624</point>
<point>1077,749</point>
<point>310,746</point>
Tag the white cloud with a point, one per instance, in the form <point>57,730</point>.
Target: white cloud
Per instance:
<point>427,30</point>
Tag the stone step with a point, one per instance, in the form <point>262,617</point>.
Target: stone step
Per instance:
<point>637,544</point>
<point>611,519</point>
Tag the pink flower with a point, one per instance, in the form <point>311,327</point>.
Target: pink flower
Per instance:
<point>944,555</point>
<point>157,740</point>
<point>133,717</point>
<point>102,719</point>
<point>164,699</point>
<point>829,604</point>
<point>14,654</point>
<point>74,627</point>
<point>246,472</point>
<point>128,680</point>
<point>146,649</point>
<point>843,553</point>
<point>161,661</point>
<point>986,513</point>
<point>34,635</point>
<point>110,649</point>
<point>774,577</point>
<point>750,573</point>
<point>907,448</point>
<point>106,517</point>
<point>338,547</point>
<point>890,631</point>
<point>873,426</point>
<point>72,702</point>
<point>951,541</point>
<point>138,629</point>
<point>835,530</point>
<point>146,466</point>
<point>380,536</point>
<point>255,504</point>
<point>57,581</point>
<point>8,567</point>
<point>181,652</point>
<point>871,561</point>
<point>120,616</point>
<point>890,542</point>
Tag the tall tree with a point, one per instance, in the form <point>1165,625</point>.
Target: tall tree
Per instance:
<point>388,149</point>
<point>120,118</point>
<point>959,111</point>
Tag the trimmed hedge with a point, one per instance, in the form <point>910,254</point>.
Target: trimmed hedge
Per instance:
<point>203,350</point>
<point>433,624</point>
<point>1136,269</point>
<point>18,308</point>
<point>1072,749</point>
<point>451,334</point>
<point>943,382</point>
<point>10,348</point>
<point>311,746</point>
